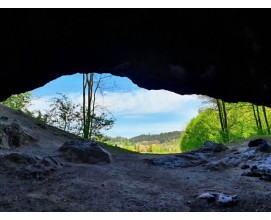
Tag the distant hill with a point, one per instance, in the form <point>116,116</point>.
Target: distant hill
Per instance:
<point>150,143</point>
<point>160,138</point>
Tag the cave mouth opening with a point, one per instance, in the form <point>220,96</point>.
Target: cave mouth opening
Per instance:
<point>146,121</point>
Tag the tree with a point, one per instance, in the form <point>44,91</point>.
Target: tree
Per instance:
<point>100,123</point>
<point>200,129</point>
<point>220,106</point>
<point>240,124</point>
<point>266,120</point>
<point>222,112</point>
<point>87,85</point>
<point>63,113</point>
<point>19,102</point>
<point>257,116</point>
<point>87,120</point>
<point>42,117</point>
<point>92,122</point>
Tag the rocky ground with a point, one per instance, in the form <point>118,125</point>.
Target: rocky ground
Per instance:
<point>45,169</point>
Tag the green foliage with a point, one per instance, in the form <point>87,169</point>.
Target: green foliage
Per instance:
<point>44,118</point>
<point>68,116</point>
<point>19,102</point>
<point>117,139</point>
<point>63,113</point>
<point>206,126</point>
<point>101,122</point>
<point>160,138</point>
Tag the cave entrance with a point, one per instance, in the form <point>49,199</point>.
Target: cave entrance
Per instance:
<point>148,121</point>
<point>126,116</point>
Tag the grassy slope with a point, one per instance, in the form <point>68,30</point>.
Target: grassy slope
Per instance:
<point>115,149</point>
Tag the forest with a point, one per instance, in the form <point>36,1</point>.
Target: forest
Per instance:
<point>225,122</point>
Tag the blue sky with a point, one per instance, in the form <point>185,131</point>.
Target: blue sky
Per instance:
<point>137,110</point>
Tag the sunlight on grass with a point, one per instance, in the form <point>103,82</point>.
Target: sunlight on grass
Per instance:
<point>146,148</point>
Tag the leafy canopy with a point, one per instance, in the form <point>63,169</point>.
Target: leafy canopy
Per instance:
<point>206,126</point>
<point>19,102</point>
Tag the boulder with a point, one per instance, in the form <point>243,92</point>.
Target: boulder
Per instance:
<point>27,165</point>
<point>223,164</point>
<point>244,160</point>
<point>207,195</point>
<point>244,166</point>
<point>250,153</point>
<point>210,146</point>
<point>84,152</point>
<point>261,145</point>
<point>181,160</point>
<point>218,165</point>
<point>18,159</point>
<point>190,159</point>
<point>3,118</point>
<point>13,136</point>
<point>261,169</point>
<point>225,200</point>
<point>256,142</point>
<point>219,198</point>
<point>257,153</point>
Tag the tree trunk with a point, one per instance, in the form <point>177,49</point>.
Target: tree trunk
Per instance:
<point>222,111</point>
<point>93,105</point>
<point>259,119</point>
<point>88,83</point>
<point>84,105</point>
<point>225,117</point>
<point>266,120</point>
<point>90,89</point>
<point>220,114</point>
<point>90,105</point>
<point>255,116</point>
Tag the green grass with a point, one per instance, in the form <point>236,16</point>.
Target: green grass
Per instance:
<point>115,149</point>
<point>146,148</point>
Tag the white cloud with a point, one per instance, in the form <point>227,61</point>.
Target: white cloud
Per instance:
<point>40,103</point>
<point>132,104</point>
<point>146,102</point>
<point>139,106</point>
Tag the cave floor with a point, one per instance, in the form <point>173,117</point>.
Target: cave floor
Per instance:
<point>129,183</point>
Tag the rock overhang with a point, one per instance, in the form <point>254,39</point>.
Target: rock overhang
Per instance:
<point>223,53</point>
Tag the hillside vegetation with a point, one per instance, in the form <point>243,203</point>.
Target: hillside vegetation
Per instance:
<point>151,143</point>
<point>226,122</point>
<point>161,138</point>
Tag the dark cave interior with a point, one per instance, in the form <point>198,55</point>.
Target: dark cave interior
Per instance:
<point>223,53</point>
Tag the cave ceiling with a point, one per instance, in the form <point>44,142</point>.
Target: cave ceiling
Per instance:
<point>223,53</point>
